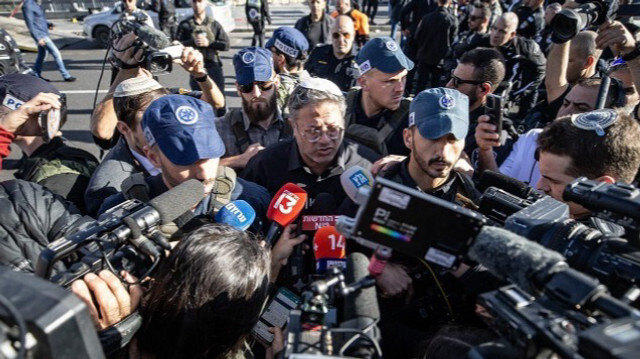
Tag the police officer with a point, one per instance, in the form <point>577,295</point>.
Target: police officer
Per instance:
<point>206,35</point>
<point>290,50</point>
<point>531,19</point>
<point>336,62</point>
<point>11,60</point>
<point>257,12</point>
<point>166,10</point>
<point>248,130</point>
<point>377,111</point>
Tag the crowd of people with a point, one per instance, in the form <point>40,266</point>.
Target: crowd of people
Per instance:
<point>319,98</point>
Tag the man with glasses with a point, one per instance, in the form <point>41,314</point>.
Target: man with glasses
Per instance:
<point>476,36</point>
<point>478,74</point>
<point>377,111</point>
<point>246,131</point>
<point>318,154</point>
<point>336,62</point>
<point>360,20</point>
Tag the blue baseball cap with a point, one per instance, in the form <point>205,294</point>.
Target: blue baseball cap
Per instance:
<point>289,41</point>
<point>440,111</point>
<point>184,129</point>
<point>384,54</point>
<point>253,64</point>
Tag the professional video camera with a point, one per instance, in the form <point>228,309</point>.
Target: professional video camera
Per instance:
<point>157,52</point>
<point>569,22</point>
<point>573,313</point>
<point>126,236</point>
<point>613,260</point>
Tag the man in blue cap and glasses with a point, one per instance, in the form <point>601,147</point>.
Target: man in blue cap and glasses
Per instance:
<point>377,111</point>
<point>248,130</point>
<point>182,141</point>
<point>437,126</point>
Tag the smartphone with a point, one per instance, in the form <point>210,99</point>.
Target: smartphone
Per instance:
<point>276,314</point>
<point>493,109</point>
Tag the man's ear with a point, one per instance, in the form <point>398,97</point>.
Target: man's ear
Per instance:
<point>362,82</point>
<point>407,137</point>
<point>152,156</point>
<point>590,61</point>
<point>122,128</point>
<point>606,179</point>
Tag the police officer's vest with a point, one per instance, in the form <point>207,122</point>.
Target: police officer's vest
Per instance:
<point>135,187</point>
<point>253,9</point>
<point>234,117</point>
<point>374,137</point>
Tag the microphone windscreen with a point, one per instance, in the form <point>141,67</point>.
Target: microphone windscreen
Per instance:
<point>155,38</point>
<point>506,254</point>
<point>287,204</point>
<point>324,203</point>
<point>238,214</point>
<point>363,303</point>
<point>354,178</point>
<point>505,183</point>
<point>178,200</point>
<point>329,249</point>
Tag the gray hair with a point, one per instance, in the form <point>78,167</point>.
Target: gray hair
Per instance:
<point>302,96</point>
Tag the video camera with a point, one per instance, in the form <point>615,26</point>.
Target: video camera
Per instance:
<point>569,22</point>
<point>574,312</point>
<point>157,55</point>
<point>125,237</point>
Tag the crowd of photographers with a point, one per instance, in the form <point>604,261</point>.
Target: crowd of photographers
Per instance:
<point>470,87</point>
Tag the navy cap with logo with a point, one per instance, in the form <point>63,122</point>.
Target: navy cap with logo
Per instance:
<point>289,41</point>
<point>384,54</point>
<point>16,89</point>
<point>253,64</point>
<point>184,129</point>
<point>440,111</point>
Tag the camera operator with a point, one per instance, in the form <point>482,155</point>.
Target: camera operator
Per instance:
<point>206,35</point>
<point>415,301</point>
<point>104,119</point>
<point>203,301</point>
<point>602,145</point>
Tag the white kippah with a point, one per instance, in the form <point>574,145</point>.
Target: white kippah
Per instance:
<point>136,86</point>
<point>320,84</point>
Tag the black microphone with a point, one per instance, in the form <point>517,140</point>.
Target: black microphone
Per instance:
<point>508,255</point>
<point>361,309</point>
<point>507,184</point>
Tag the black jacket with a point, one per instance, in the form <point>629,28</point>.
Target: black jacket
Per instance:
<point>30,218</point>
<point>303,23</point>
<point>434,36</point>
<point>525,66</point>
<point>412,12</point>
<point>218,38</point>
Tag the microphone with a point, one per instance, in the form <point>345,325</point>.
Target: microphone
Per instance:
<point>238,214</point>
<point>284,208</point>
<point>321,213</point>
<point>507,184</point>
<point>508,255</point>
<point>361,309</point>
<point>355,178</point>
<point>379,260</point>
<point>329,249</point>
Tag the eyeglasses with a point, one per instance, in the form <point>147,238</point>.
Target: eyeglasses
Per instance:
<point>313,135</point>
<point>346,35</point>
<point>262,85</point>
<point>458,81</point>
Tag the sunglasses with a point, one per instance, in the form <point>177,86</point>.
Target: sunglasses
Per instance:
<point>313,135</point>
<point>262,85</point>
<point>458,81</point>
<point>336,35</point>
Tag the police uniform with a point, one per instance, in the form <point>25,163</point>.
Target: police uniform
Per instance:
<point>11,60</point>
<point>531,22</point>
<point>342,72</point>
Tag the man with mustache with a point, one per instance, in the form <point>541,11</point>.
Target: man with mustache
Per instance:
<point>438,124</point>
<point>248,130</point>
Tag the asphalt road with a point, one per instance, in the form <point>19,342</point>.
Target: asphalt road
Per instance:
<point>85,61</point>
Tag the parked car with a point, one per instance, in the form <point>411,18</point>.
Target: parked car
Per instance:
<point>97,26</point>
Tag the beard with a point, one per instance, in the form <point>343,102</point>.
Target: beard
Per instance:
<point>257,114</point>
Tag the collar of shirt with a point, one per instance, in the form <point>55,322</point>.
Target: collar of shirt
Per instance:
<point>337,167</point>
<point>145,163</point>
<point>441,192</point>
<point>279,121</point>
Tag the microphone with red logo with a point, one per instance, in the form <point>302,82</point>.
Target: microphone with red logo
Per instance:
<point>284,208</point>
<point>329,249</point>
